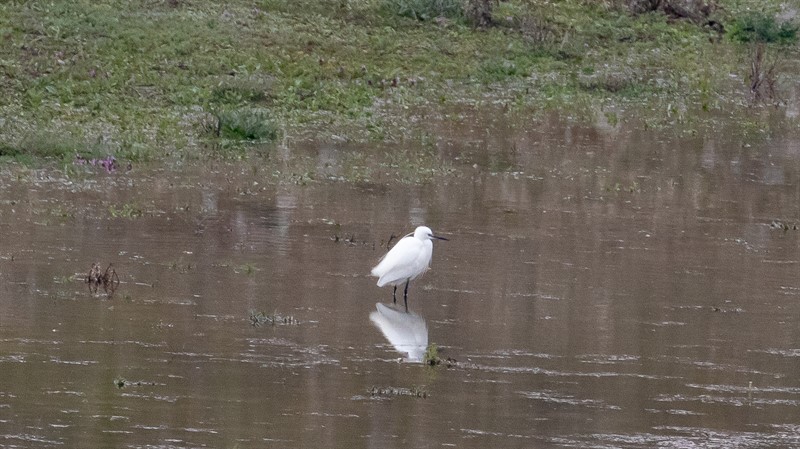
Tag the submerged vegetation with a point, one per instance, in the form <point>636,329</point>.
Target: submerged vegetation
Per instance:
<point>144,81</point>
<point>258,319</point>
<point>108,279</point>
<point>414,392</point>
<point>431,356</point>
<point>127,210</point>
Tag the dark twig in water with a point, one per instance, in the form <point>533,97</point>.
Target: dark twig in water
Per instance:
<point>107,279</point>
<point>389,242</point>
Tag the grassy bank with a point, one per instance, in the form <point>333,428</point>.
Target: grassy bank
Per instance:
<point>150,79</point>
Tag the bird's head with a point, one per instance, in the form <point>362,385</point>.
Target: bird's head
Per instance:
<point>425,233</point>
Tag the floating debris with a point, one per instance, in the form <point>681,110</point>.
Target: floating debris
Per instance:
<point>399,391</point>
<point>107,279</point>
<point>259,318</point>
<point>350,240</point>
<point>121,382</point>
<point>453,363</point>
<point>726,309</point>
<point>777,224</point>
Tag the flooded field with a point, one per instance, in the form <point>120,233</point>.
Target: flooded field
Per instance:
<point>604,286</point>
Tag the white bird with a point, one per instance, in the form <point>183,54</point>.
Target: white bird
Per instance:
<point>408,259</point>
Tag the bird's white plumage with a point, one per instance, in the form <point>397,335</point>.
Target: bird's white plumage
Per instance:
<point>409,258</point>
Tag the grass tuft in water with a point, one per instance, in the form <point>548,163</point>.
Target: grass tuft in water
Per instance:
<point>246,268</point>
<point>258,319</point>
<point>416,392</point>
<point>432,355</point>
<point>127,210</point>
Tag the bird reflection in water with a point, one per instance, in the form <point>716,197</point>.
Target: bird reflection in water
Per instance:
<point>406,331</point>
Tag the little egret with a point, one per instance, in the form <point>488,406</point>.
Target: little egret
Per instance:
<point>408,259</point>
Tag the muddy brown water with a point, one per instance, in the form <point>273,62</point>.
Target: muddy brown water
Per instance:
<point>603,286</point>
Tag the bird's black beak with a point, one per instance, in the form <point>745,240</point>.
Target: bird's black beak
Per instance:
<point>440,238</point>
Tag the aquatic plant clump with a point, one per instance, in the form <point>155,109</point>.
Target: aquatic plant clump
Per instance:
<point>258,319</point>
<point>432,355</point>
<point>108,279</point>
<point>127,210</point>
<point>415,392</point>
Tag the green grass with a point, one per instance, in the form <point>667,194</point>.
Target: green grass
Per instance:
<point>425,9</point>
<point>145,80</point>
<point>246,124</point>
<point>761,27</point>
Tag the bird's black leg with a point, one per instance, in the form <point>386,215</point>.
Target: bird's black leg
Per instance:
<point>405,296</point>
<point>394,294</point>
